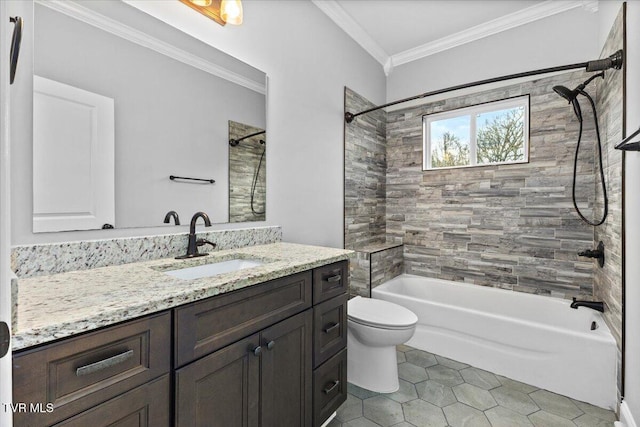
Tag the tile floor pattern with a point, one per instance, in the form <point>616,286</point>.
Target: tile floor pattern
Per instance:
<point>440,392</point>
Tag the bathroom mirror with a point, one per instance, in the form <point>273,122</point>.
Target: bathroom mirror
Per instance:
<point>166,101</point>
<point>247,176</point>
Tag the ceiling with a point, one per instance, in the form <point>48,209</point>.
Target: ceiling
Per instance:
<point>395,32</point>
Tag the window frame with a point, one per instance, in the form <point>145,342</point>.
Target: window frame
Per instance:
<point>472,111</point>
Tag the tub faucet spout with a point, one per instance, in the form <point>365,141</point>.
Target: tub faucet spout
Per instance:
<point>594,305</point>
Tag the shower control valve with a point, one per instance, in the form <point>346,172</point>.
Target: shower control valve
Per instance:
<point>597,253</point>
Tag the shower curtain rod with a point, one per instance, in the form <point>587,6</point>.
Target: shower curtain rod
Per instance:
<point>614,61</point>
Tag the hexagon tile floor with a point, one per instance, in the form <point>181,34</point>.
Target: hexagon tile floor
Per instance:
<point>440,392</point>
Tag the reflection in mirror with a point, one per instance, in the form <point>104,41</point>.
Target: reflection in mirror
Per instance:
<point>170,97</point>
<point>247,172</point>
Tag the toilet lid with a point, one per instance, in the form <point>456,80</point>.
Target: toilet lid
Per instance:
<point>380,313</point>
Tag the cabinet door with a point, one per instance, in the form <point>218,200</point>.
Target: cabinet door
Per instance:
<point>287,372</point>
<point>221,389</point>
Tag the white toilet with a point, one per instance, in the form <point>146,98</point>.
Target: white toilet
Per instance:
<point>375,328</point>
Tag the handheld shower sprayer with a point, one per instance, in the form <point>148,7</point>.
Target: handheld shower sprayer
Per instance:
<point>572,95</point>
<point>614,61</point>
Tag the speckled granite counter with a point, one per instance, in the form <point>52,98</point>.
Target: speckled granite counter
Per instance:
<point>60,305</point>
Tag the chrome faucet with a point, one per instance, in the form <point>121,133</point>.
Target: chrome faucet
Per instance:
<point>192,248</point>
<point>595,305</point>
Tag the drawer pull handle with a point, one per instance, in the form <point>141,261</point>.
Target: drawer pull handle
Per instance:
<point>331,328</point>
<point>104,364</point>
<point>332,387</point>
<point>257,351</point>
<point>270,345</point>
<point>334,279</point>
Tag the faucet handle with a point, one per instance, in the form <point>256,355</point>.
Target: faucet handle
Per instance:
<point>202,242</point>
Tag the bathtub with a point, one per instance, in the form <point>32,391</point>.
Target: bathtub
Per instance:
<point>533,339</point>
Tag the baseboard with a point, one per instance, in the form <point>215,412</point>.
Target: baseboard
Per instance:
<point>626,419</point>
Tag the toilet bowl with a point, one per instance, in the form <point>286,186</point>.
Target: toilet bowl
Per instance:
<point>375,327</point>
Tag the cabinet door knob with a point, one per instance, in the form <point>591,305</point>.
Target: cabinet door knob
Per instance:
<point>257,351</point>
<point>270,345</point>
<point>331,387</point>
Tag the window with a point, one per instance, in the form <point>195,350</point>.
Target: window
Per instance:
<point>487,134</point>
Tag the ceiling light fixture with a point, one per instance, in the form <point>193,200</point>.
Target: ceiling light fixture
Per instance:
<point>221,11</point>
<point>231,11</point>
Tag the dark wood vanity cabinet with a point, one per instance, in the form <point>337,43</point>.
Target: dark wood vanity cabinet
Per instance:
<point>330,294</point>
<point>108,376</point>
<point>269,355</point>
<point>262,380</point>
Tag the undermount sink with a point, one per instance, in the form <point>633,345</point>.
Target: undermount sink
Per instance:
<point>213,269</point>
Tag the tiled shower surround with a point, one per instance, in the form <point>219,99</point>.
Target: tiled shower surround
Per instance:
<point>365,175</point>
<point>365,200</point>
<point>244,160</point>
<point>373,265</point>
<point>608,280</point>
<point>509,226</point>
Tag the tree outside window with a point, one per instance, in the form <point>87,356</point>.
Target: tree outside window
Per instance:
<point>492,133</point>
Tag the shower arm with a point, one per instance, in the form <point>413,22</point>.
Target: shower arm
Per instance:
<point>614,61</point>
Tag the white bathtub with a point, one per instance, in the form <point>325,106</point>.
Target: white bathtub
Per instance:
<point>534,339</point>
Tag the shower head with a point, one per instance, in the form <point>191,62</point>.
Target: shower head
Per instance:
<point>572,97</point>
<point>566,93</point>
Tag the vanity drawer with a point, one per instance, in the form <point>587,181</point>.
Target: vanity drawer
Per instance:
<point>146,406</point>
<point>330,281</point>
<point>81,372</point>
<point>329,387</point>
<point>329,328</point>
<point>206,326</point>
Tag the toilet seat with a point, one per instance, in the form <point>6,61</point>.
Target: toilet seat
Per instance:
<point>380,314</point>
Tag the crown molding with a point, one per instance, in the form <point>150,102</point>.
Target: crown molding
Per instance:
<point>140,38</point>
<point>333,10</point>
<point>548,8</point>
<point>495,26</point>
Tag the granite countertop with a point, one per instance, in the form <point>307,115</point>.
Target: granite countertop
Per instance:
<point>60,305</point>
